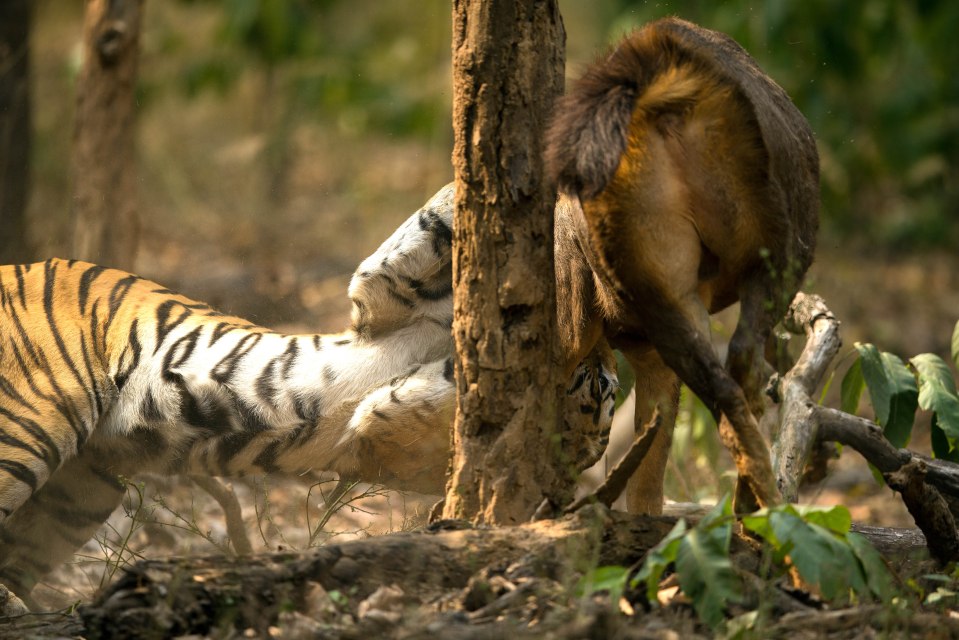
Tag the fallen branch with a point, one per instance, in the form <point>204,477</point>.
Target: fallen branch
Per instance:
<point>615,482</point>
<point>798,431</point>
<point>928,509</point>
<point>805,424</point>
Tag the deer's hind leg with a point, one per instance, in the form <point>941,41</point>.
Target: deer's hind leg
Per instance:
<point>657,399</point>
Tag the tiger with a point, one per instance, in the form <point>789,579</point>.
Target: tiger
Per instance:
<point>105,375</point>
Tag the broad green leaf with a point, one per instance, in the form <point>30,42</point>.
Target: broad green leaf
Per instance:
<point>721,511</point>
<point>658,558</point>
<point>937,392</point>
<point>706,573</point>
<point>627,378</point>
<point>758,523</point>
<point>609,578</point>
<point>851,388</point>
<point>878,577</point>
<point>955,344</point>
<point>821,557</point>
<point>835,519</point>
<point>893,391</point>
<point>941,447</point>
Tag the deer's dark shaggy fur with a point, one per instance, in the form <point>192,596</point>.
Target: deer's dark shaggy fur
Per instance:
<point>698,180</point>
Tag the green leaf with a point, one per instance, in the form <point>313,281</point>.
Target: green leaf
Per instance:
<point>937,392</point>
<point>878,577</point>
<point>627,378</point>
<point>722,511</point>
<point>658,559</point>
<point>893,391</point>
<point>821,557</point>
<point>706,573</point>
<point>609,578</point>
<point>758,523</point>
<point>941,447</point>
<point>851,389</point>
<point>835,519</point>
<point>955,344</point>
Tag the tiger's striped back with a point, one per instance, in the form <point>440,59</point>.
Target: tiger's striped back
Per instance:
<point>104,374</point>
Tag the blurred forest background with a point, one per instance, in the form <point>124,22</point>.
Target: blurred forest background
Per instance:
<point>278,142</point>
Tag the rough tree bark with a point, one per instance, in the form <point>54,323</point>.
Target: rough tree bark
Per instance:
<point>508,61</point>
<point>104,180</point>
<point>14,129</point>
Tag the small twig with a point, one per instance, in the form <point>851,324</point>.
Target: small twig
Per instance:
<point>225,496</point>
<point>615,482</point>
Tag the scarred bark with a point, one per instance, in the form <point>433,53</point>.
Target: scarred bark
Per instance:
<point>104,181</point>
<point>508,60</point>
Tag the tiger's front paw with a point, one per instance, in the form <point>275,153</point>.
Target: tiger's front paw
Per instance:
<point>10,604</point>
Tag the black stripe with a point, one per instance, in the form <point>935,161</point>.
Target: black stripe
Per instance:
<point>4,298</point>
<point>317,342</point>
<point>178,353</point>
<point>431,222</point>
<point>229,446</point>
<point>86,280</point>
<point>21,472</point>
<point>207,416</point>
<point>307,411</point>
<point>292,351</point>
<point>406,302</point>
<point>448,370</point>
<point>249,418</point>
<point>266,459</point>
<point>50,275</point>
<point>164,324</point>
<point>25,338</point>
<point>224,369</point>
<point>149,410</point>
<point>52,457</point>
<point>329,374</point>
<point>10,391</point>
<point>94,379</point>
<point>442,291</point>
<point>264,386</point>
<point>134,347</point>
<point>21,285</point>
<point>220,330</point>
<point>118,294</point>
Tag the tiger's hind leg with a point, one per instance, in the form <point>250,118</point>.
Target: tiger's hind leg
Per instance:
<point>400,433</point>
<point>57,520</point>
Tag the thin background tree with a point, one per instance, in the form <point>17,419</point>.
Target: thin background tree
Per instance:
<point>104,180</point>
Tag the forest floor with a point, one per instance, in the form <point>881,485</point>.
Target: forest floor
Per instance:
<point>510,596</point>
<point>211,230</point>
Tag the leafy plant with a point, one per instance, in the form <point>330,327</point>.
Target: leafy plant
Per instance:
<point>896,390</point>
<point>816,542</point>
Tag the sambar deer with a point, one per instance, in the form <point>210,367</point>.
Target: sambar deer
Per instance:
<point>698,181</point>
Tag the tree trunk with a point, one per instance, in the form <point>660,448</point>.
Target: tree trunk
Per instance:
<point>508,61</point>
<point>14,129</point>
<point>104,180</point>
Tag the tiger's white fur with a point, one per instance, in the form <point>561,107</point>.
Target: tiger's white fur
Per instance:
<point>104,374</point>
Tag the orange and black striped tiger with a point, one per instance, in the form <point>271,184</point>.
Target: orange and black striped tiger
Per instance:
<point>104,374</point>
